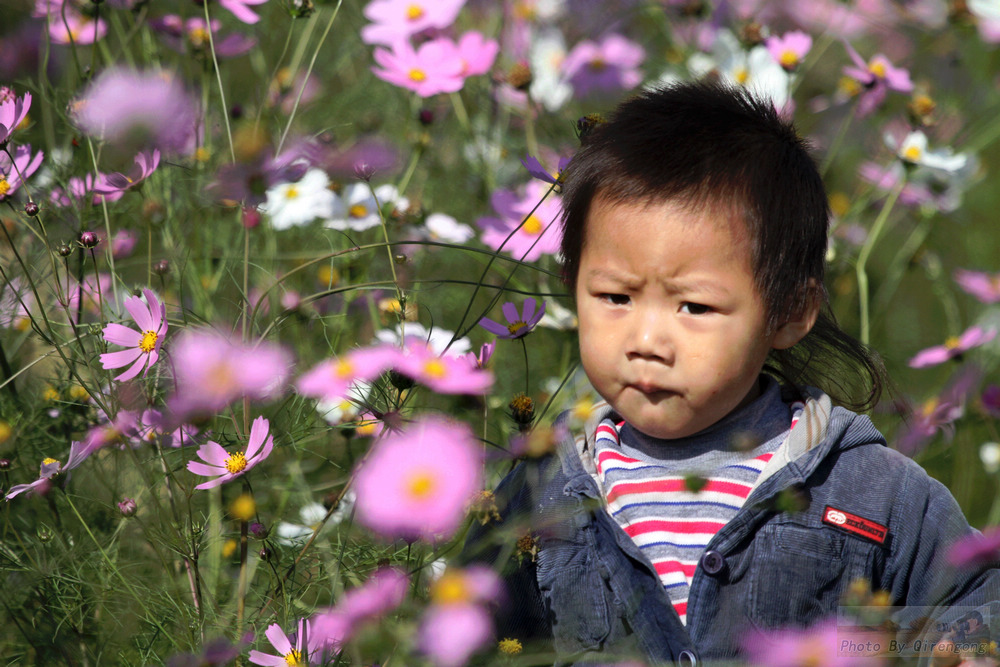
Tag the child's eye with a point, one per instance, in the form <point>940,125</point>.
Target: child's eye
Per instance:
<point>695,308</point>
<point>615,299</point>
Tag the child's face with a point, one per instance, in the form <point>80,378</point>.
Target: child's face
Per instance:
<point>673,333</point>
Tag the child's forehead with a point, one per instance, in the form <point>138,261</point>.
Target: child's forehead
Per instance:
<point>693,210</point>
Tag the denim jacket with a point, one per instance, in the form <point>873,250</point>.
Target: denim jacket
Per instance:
<point>833,505</point>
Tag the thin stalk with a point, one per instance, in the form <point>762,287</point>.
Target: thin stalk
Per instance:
<point>218,78</point>
<point>527,384</point>
<point>866,251</point>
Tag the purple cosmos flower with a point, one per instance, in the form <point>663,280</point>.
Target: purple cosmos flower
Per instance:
<point>990,400</point>
<point>611,65</point>
<point>304,644</point>
<point>536,169</point>
<point>78,452</point>
<point>12,174</point>
<point>226,467</point>
<point>878,76</point>
<point>397,20</point>
<point>518,324</point>
<point>417,483</point>
<point>144,344</point>
<point>435,67</point>
<point>483,357</point>
<point>193,35</point>
<point>533,227</point>
<point>135,110</point>
<point>976,549</point>
<point>241,11</point>
<point>13,111</point>
<point>248,182</point>
<point>983,286</point>
<point>443,374</point>
<point>939,413</point>
<point>953,347</point>
<point>789,49</point>
<point>145,164</point>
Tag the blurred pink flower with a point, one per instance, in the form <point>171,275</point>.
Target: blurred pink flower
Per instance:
<point>518,324</point>
<point>138,110</point>
<point>145,164</point>
<point>241,11</point>
<point>435,67</point>
<point>87,295</point>
<point>417,483</point>
<point>226,467</point>
<point>13,173</point>
<point>75,28</point>
<point>477,53</point>
<point>953,347</point>
<point>384,591</point>
<point>540,232</point>
<point>193,35</point>
<point>976,549</point>
<point>150,430</point>
<point>609,66</point>
<point>877,77</point>
<point>817,646</point>
<point>210,371</point>
<point>789,49</point>
<point>983,286</point>
<point>288,656</point>
<point>123,243</point>
<point>450,634</point>
<point>990,400</point>
<point>396,20</point>
<point>333,378</point>
<point>83,191</point>
<point>938,413</point>
<point>144,344</point>
<point>444,374</point>
<point>13,111</point>
<point>78,452</point>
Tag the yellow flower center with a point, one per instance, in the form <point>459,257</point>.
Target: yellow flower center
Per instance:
<point>293,658</point>
<point>525,11</point>
<point>598,64</point>
<point>532,225</point>
<point>952,342</point>
<point>789,58</point>
<point>4,185</point>
<point>50,394</point>
<point>366,428</point>
<point>742,75</point>
<point>912,154</point>
<point>435,368</point>
<point>201,154</point>
<point>583,409</point>
<point>451,588</point>
<point>328,275</point>
<point>510,646</point>
<point>878,68</point>
<point>515,328</point>
<point>344,368</point>
<point>243,508</point>
<point>148,341</point>
<point>848,86</point>
<point>198,37</point>
<point>49,460</point>
<point>414,12</point>
<point>236,462</point>
<point>418,75</point>
<point>421,485</point>
<point>360,210</point>
<point>292,192</point>
<point>929,406</point>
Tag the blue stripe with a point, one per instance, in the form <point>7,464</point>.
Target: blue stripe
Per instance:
<point>676,503</point>
<point>673,544</point>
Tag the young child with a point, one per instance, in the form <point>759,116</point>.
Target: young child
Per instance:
<point>715,494</point>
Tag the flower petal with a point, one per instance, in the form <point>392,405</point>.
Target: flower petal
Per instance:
<point>134,370</point>
<point>494,327</point>
<point>212,452</point>
<point>156,310</point>
<point>212,483</point>
<point>205,470</point>
<point>528,309</point>
<point>139,312</point>
<point>258,433</point>
<point>510,312</point>
<point>120,358</point>
<point>278,639</point>
<point>121,335</point>
<point>266,659</point>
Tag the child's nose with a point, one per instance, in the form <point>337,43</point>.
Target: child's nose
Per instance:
<point>651,338</point>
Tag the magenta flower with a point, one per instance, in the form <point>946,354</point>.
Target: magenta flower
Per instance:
<point>790,49</point>
<point>288,656</point>
<point>13,111</point>
<point>123,243</point>
<point>193,35</point>
<point>135,110</point>
<point>384,591</point>
<point>533,227</point>
<point>608,66</point>
<point>332,379</point>
<point>241,11</point>
<point>536,169</point>
<point>938,413</point>
<point>976,549</point>
<point>144,344</point>
<point>226,467</point>
<point>78,452</point>
<point>417,483</point>
<point>397,20</point>
<point>818,646</point>
<point>953,347</point>
<point>877,76</point>
<point>145,164</point>
<point>435,67</point>
<point>477,53</point>
<point>518,324</point>
<point>458,623</point>
<point>983,286</point>
<point>483,357</point>
<point>75,28</point>
<point>443,374</point>
<point>83,190</point>
<point>12,174</point>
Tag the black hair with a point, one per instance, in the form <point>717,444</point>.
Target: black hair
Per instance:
<point>704,143</point>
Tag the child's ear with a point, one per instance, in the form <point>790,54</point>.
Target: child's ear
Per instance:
<point>798,325</point>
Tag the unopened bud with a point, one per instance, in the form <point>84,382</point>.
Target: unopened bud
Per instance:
<point>426,117</point>
<point>64,250</point>
<point>258,530</point>
<point>4,464</point>
<point>161,268</point>
<point>31,208</point>
<point>89,239</point>
<point>520,76</point>
<point>264,553</point>
<point>127,507</point>
<point>250,218</point>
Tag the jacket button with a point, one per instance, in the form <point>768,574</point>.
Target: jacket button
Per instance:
<point>712,562</point>
<point>687,659</point>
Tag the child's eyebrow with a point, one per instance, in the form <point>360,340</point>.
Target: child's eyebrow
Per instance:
<point>683,286</point>
<point>617,276</point>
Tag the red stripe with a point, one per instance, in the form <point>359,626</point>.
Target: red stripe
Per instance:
<point>676,485</point>
<point>606,454</point>
<point>765,457</point>
<point>604,428</point>
<point>681,607</point>
<point>688,527</point>
<point>671,566</point>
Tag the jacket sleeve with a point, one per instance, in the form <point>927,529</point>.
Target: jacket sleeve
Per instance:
<point>508,546</point>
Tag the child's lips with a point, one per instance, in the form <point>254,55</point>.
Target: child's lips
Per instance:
<point>650,388</point>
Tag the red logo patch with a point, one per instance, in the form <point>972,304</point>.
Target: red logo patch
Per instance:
<point>853,523</point>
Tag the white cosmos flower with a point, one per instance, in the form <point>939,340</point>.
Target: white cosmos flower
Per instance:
<point>913,150</point>
<point>548,84</point>
<point>311,514</point>
<point>755,69</point>
<point>357,209</point>
<point>441,227</point>
<point>414,332</point>
<point>989,454</point>
<point>292,204</point>
<point>988,10</point>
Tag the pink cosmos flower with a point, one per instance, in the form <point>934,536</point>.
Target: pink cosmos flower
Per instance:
<point>939,413</point>
<point>211,370</point>
<point>13,173</point>
<point>444,374</point>
<point>13,111</point>
<point>483,357</point>
<point>540,232</point>
<point>193,35</point>
<point>976,549</point>
<point>83,190</point>
<point>150,430</point>
<point>78,452</point>
<point>332,379</point>
<point>983,286</point>
<point>611,65</point>
<point>397,20</point>
<point>226,467</point>
<point>76,28</point>
<point>477,53</point>
<point>878,76</point>
<point>818,645</point>
<point>287,655</point>
<point>144,344</point>
<point>953,347</point>
<point>888,178</point>
<point>145,164</point>
<point>241,11</point>
<point>384,591</point>
<point>135,110</point>
<point>458,623</point>
<point>789,49</point>
<point>518,324</point>
<point>123,243</point>
<point>417,483</point>
<point>435,67</point>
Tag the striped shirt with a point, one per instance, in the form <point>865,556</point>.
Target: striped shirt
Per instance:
<point>646,484</point>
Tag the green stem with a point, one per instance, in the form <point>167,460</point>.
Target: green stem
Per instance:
<point>866,251</point>
<point>222,92</point>
<point>527,384</point>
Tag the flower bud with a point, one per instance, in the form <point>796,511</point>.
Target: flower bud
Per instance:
<point>250,218</point>
<point>127,507</point>
<point>64,250</point>
<point>161,268</point>
<point>265,553</point>
<point>89,239</point>
<point>426,117</point>
<point>4,464</point>
<point>31,208</point>
<point>519,76</point>
<point>522,410</point>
